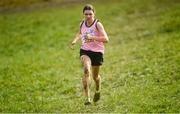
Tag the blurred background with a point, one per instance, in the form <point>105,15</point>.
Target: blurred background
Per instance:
<point>39,73</point>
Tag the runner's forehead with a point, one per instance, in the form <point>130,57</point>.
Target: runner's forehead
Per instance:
<point>88,11</point>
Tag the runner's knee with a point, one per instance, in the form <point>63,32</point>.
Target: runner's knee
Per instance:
<point>87,67</point>
<point>86,70</point>
<point>96,77</point>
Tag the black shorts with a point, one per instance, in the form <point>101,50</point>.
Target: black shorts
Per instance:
<point>96,57</point>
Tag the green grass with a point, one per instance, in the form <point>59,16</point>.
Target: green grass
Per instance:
<point>39,73</point>
<point>22,3</point>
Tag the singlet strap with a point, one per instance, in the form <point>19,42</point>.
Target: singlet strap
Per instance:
<point>81,25</point>
<point>97,20</point>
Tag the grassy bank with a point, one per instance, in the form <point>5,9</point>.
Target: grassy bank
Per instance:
<point>39,73</point>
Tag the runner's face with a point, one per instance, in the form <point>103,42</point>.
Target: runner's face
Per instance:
<point>89,15</point>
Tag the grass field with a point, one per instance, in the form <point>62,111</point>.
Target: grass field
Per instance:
<point>141,72</point>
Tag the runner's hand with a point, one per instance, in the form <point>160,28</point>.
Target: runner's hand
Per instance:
<point>72,44</point>
<point>88,38</point>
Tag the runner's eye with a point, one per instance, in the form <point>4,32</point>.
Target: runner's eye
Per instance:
<point>88,14</point>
